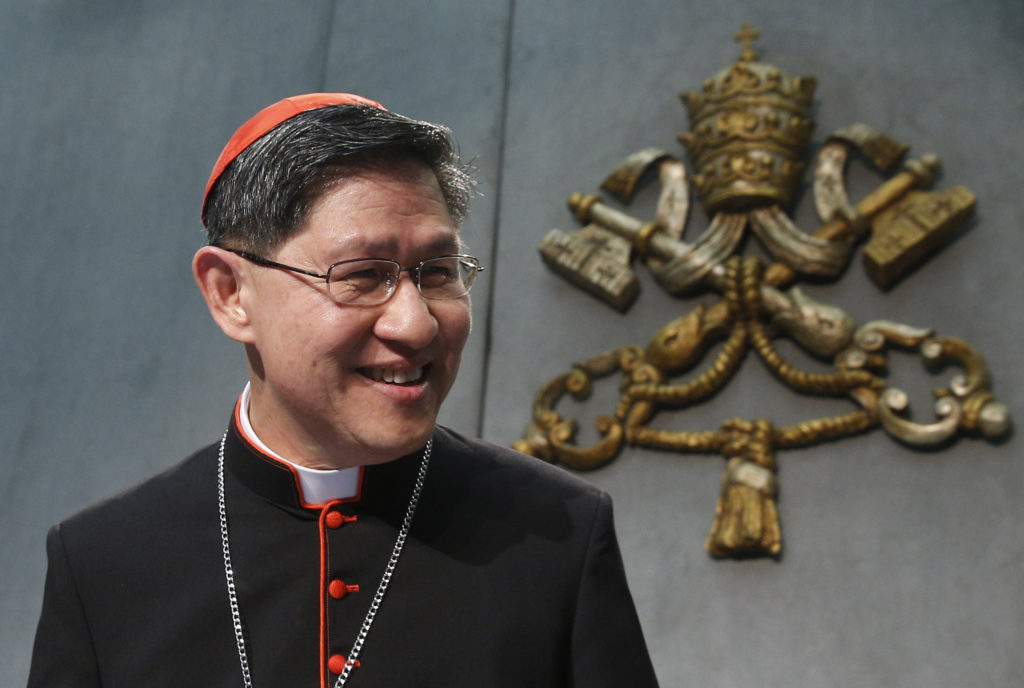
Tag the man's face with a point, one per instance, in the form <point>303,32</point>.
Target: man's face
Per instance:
<point>319,370</point>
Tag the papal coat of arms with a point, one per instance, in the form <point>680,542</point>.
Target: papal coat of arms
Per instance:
<point>750,127</point>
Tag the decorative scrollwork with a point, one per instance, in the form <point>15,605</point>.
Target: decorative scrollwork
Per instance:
<point>895,401</point>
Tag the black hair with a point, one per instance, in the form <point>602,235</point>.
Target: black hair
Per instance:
<point>263,196</point>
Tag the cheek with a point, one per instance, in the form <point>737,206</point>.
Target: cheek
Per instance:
<point>456,326</point>
<point>317,339</point>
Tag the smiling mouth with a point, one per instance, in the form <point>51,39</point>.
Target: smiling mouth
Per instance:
<point>394,377</point>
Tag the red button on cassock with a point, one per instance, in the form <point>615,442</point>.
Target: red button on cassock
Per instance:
<point>336,519</point>
<point>337,664</point>
<point>338,589</point>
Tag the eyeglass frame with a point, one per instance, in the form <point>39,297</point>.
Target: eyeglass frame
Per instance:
<point>266,262</point>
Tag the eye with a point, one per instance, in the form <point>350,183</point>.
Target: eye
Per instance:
<point>361,276</point>
<point>438,272</point>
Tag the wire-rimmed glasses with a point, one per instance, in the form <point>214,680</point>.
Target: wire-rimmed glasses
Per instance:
<point>372,281</point>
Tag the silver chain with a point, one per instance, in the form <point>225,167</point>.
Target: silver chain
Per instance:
<point>378,597</point>
<point>229,571</point>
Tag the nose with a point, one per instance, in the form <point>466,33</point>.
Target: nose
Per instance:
<point>406,317</point>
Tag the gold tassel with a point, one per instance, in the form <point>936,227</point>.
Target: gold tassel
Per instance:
<point>746,518</point>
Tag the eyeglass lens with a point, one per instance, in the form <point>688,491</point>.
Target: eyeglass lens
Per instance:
<point>372,281</point>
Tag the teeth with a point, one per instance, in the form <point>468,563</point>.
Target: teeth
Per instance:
<point>395,377</point>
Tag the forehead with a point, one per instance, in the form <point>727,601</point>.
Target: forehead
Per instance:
<point>379,209</point>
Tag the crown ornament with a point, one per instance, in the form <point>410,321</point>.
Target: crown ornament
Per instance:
<point>749,130</point>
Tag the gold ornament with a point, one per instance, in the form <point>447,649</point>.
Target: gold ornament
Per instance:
<point>750,128</point>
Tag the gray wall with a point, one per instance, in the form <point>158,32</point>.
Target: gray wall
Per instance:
<point>901,568</point>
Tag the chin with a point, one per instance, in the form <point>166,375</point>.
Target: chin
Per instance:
<point>399,440</point>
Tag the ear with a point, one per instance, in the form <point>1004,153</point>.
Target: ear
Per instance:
<point>222,277</point>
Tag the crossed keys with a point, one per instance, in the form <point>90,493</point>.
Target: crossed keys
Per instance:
<point>750,128</point>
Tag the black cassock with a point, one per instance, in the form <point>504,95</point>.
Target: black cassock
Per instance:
<point>511,576</point>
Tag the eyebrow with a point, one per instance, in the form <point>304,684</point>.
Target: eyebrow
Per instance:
<point>442,245</point>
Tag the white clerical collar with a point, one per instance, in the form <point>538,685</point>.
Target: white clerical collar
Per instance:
<point>319,486</point>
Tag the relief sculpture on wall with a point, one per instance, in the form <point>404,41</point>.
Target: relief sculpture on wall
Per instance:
<point>750,127</point>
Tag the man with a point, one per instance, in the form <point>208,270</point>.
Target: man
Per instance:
<point>334,534</point>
